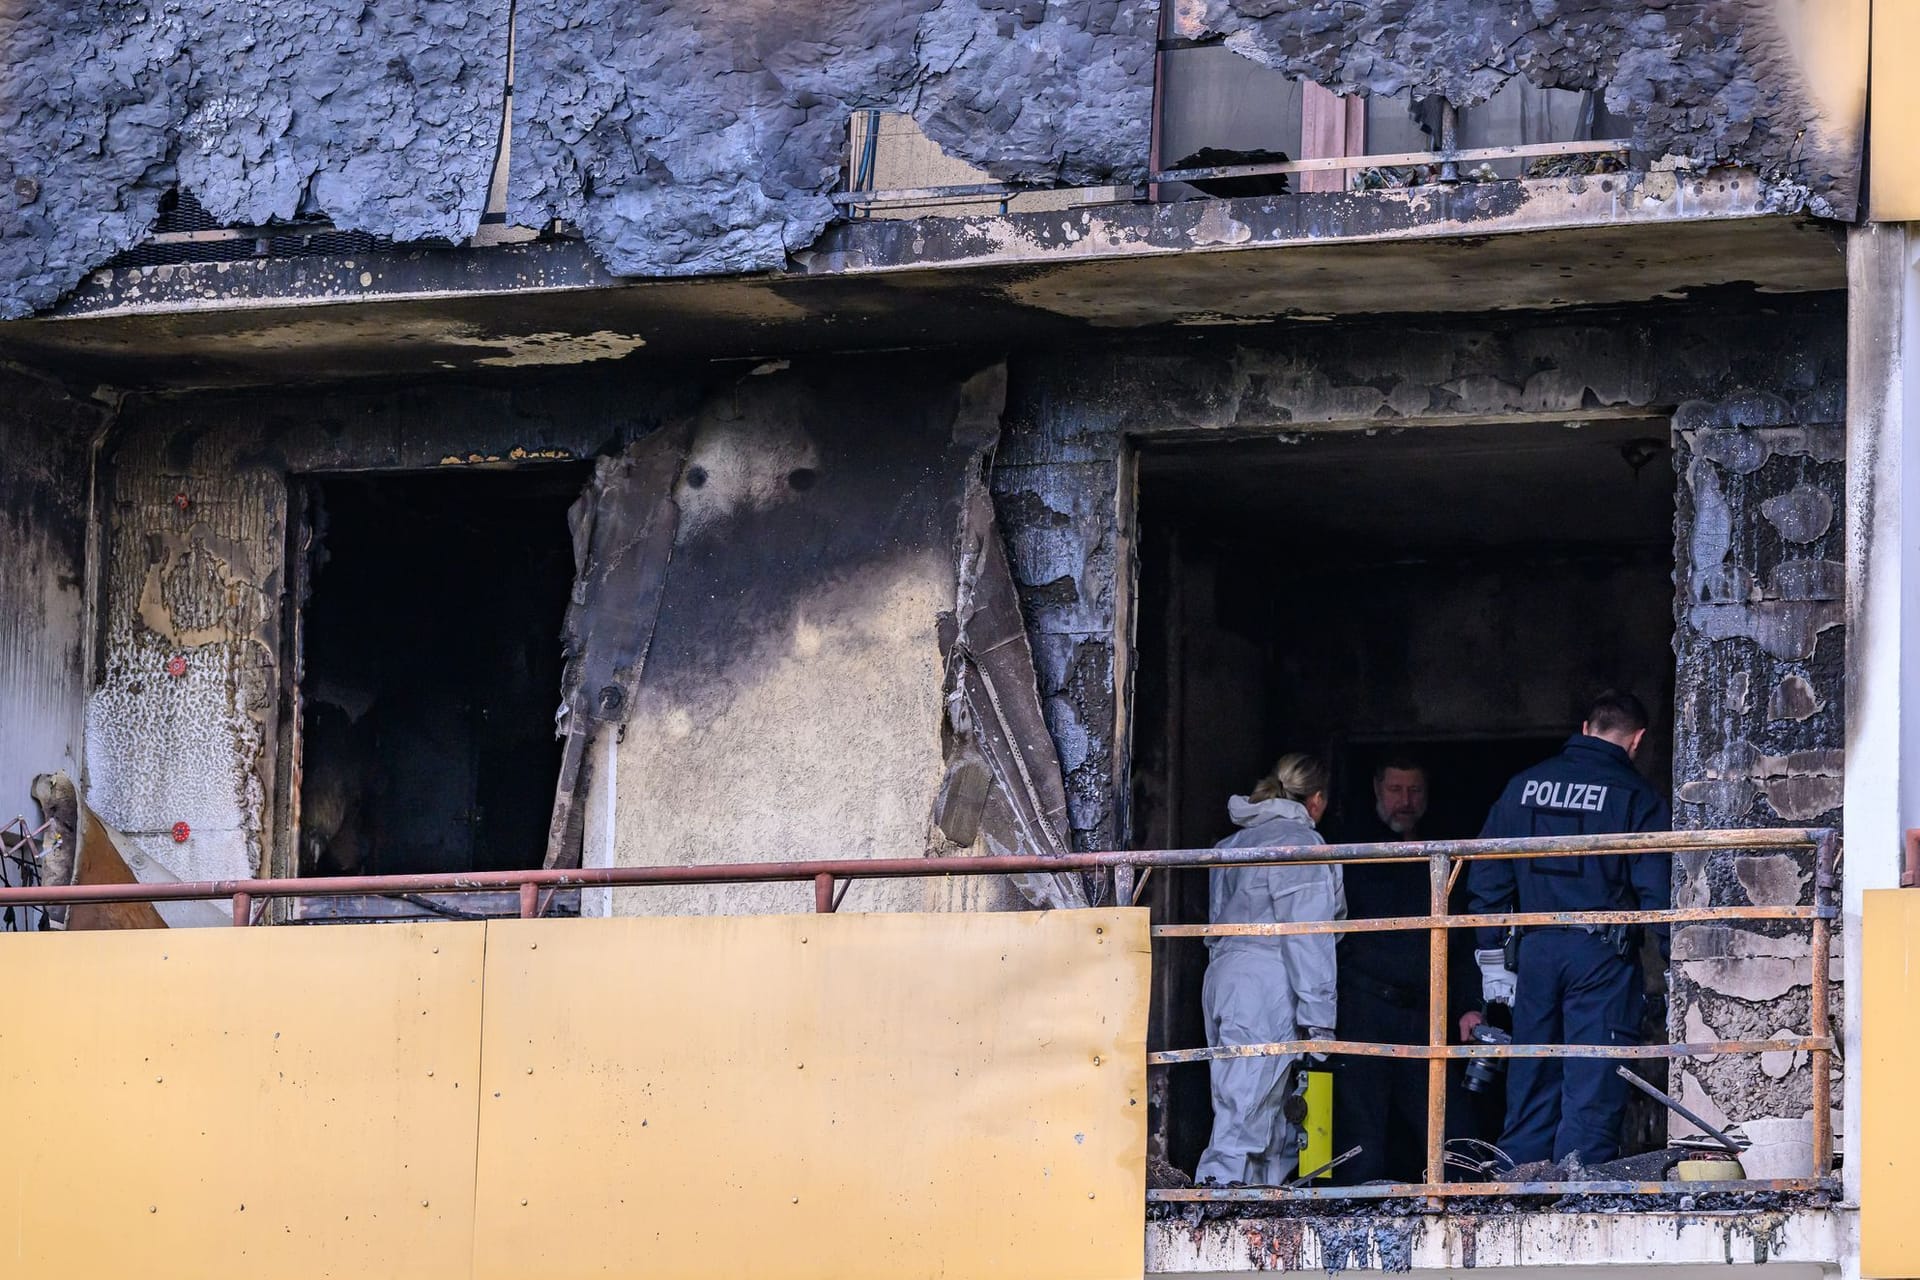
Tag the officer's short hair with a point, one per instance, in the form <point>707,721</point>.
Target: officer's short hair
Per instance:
<point>1399,760</point>
<point>1617,711</point>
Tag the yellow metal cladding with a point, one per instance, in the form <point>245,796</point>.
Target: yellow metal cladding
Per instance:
<point>815,1096</point>
<point>1889,1146</point>
<point>240,1102</point>
<point>1893,162</point>
<point>862,1095</point>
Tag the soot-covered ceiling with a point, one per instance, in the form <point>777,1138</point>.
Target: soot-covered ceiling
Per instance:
<point>1424,492</point>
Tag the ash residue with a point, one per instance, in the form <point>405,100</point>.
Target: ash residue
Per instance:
<point>1356,1215</point>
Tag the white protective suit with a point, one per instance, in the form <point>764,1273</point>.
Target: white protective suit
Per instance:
<point>1264,990</point>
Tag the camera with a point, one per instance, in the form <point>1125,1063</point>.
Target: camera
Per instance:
<point>1484,1073</point>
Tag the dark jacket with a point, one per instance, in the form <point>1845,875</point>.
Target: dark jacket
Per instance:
<point>1396,962</point>
<point>1590,788</point>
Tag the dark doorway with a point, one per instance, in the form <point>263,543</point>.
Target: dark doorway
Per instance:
<point>1449,593</point>
<point>430,668</point>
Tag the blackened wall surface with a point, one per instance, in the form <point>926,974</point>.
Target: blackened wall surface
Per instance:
<point>382,115</point>
<point>44,442</point>
<point>1773,83</point>
<point>689,139</point>
<point>1755,395</point>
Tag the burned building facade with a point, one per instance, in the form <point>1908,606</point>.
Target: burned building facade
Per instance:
<point>547,442</point>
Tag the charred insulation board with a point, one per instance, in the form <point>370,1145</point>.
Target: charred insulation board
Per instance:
<point>380,115</point>
<point>690,139</point>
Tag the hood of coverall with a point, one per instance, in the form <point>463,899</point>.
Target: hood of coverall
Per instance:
<point>1247,813</point>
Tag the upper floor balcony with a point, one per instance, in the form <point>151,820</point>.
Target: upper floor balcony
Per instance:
<point>974,1093</point>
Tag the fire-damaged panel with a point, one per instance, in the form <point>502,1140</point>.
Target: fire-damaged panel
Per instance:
<point>688,139</point>
<point>833,569</point>
<point>1776,84</point>
<point>382,116</point>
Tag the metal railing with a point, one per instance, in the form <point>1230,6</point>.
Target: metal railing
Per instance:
<point>1444,859</point>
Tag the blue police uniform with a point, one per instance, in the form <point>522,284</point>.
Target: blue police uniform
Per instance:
<point>1577,985</point>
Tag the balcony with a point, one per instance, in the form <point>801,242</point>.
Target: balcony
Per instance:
<point>771,1062</point>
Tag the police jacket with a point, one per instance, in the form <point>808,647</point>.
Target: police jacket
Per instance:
<point>1590,788</point>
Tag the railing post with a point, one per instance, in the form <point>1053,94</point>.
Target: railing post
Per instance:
<point>1437,868</point>
<point>1821,1060</point>
<point>529,901</point>
<point>823,892</point>
<point>242,910</point>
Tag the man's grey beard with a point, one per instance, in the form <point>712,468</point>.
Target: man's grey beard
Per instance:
<point>1399,827</point>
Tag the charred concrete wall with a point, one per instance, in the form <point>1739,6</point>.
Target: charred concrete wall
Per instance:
<point>1755,396</point>
<point>1758,631</point>
<point>689,138</point>
<point>791,704</point>
<point>44,448</point>
<point>808,687</point>
<point>816,555</point>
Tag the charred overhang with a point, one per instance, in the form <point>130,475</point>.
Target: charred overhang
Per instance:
<point>1523,245</point>
<point>690,139</point>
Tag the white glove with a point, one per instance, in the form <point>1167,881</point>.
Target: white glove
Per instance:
<point>1318,1033</point>
<point>1497,982</point>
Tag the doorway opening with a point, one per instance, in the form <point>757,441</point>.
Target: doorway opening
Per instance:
<point>1446,595</point>
<point>427,647</point>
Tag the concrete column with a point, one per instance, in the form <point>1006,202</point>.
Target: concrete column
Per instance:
<point>1883,594</point>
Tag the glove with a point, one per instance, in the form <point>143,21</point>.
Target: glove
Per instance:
<point>1497,982</point>
<point>1318,1033</point>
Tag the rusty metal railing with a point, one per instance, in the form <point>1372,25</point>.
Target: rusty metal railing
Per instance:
<point>536,887</point>
<point>1444,859</point>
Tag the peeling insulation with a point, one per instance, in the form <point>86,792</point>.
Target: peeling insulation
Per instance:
<point>381,116</point>
<point>685,139</point>
<point>694,139</point>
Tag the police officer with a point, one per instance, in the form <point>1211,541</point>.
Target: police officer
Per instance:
<point>1575,984</point>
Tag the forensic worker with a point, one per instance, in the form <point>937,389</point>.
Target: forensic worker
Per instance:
<point>1576,984</point>
<point>1263,990</point>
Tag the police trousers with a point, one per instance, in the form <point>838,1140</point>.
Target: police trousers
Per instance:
<point>1575,988</point>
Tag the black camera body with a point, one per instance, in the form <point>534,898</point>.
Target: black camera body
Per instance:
<point>1484,1073</point>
